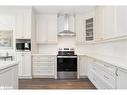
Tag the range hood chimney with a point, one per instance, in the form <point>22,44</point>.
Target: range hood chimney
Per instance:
<point>66,31</point>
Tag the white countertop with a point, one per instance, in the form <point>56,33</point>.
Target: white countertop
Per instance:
<point>6,64</point>
<point>43,54</point>
<point>116,61</point>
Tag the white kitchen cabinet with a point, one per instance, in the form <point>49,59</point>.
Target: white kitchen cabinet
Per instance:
<point>24,60</point>
<point>121,79</point>
<point>121,20</point>
<point>79,27</point>
<point>83,66</point>
<point>8,78</point>
<point>89,27</point>
<point>80,24</point>
<point>46,28</point>
<point>44,66</point>
<point>23,24</point>
<point>98,23</point>
<point>105,22</point>
<point>110,22</point>
<point>102,75</point>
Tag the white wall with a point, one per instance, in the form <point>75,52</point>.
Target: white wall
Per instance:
<point>83,49</point>
<point>47,49</point>
<point>116,48</point>
<point>63,42</point>
<point>68,42</point>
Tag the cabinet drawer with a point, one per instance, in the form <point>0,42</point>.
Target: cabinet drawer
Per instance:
<point>106,77</point>
<point>43,68</point>
<point>43,63</point>
<point>98,81</point>
<point>106,67</point>
<point>43,72</point>
<point>39,64</point>
<point>43,59</point>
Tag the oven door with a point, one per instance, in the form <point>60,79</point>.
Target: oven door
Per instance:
<point>66,67</point>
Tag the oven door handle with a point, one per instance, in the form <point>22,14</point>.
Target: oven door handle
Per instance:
<point>66,56</point>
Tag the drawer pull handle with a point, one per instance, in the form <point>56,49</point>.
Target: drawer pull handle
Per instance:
<point>106,77</point>
<point>106,66</point>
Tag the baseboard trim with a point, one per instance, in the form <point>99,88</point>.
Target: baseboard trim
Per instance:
<point>25,77</point>
<point>83,76</point>
<point>43,76</point>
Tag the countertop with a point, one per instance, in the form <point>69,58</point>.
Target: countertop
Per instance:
<point>116,61</point>
<point>7,64</point>
<point>43,54</point>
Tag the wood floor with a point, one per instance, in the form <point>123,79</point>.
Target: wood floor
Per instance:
<point>55,84</point>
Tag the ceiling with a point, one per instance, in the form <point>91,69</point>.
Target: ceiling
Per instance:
<point>63,9</point>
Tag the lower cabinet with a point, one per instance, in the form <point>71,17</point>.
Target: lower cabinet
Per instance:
<point>121,79</point>
<point>8,78</point>
<point>44,66</point>
<point>102,75</point>
<point>82,66</point>
<point>24,59</point>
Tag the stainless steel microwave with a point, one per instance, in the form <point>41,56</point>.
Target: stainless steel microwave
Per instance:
<point>23,46</point>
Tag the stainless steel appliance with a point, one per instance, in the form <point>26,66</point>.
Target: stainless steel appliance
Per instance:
<point>64,23</point>
<point>23,44</point>
<point>66,64</point>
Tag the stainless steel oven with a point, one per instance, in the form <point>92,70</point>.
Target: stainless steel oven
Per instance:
<point>66,65</point>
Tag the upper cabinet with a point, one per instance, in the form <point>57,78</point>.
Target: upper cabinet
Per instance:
<point>121,20</point>
<point>85,28</point>
<point>46,28</point>
<point>23,24</point>
<point>110,22</point>
<point>105,22</point>
<point>79,28</point>
<point>89,25</point>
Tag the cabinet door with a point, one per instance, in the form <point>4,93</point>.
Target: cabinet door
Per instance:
<point>52,28</point>
<point>19,26</point>
<point>42,28</point>
<point>20,65</point>
<point>27,25</point>
<point>79,28</point>
<point>83,61</point>
<point>26,64</point>
<point>98,23</point>
<point>89,27</point>
<point>121,79</point>
<point>108,22</point>
<point>121,20</point>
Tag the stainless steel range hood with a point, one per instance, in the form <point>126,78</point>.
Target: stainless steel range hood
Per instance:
<point>66,31</point>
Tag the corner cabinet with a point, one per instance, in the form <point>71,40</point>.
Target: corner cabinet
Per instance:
<point>24,59</point>
<point>46,28</point>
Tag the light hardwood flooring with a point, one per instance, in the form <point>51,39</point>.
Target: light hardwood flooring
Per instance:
<point>39,83</point>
